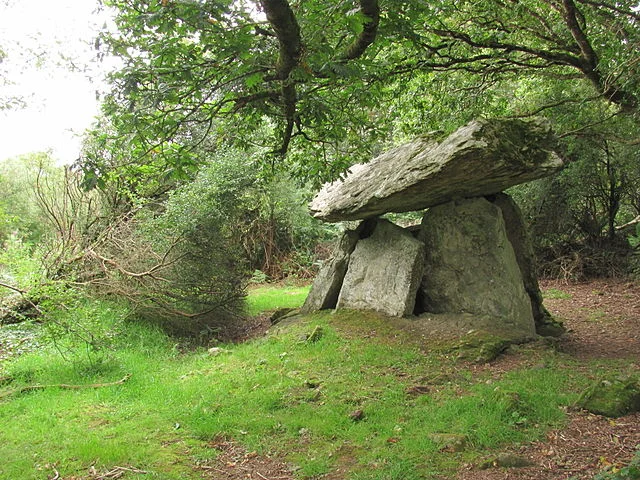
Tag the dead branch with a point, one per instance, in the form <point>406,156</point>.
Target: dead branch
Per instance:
<point>635,221</point>
<point>63,386</point>
<point>118,472</point>
<point>15,289</point>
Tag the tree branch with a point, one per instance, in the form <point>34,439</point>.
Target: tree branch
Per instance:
<point>590,61</point>
<point>371,10</point>
<point>289,99</point>
<point>586,62</point>
<point>64,386</point>
<point>571,18</point>
<point>555,57</point>
<point>287,30</point>
<point>15,289</point>
<point>614,8</point>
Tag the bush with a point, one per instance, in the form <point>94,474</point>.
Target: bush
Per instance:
<point>278,235</point>
<point>179,263</point>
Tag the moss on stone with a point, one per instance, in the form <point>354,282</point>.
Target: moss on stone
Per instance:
<point>481,347</point>
<point>612,397</point>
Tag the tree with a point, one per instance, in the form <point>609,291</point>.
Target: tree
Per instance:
<point>316,75</point>
<point>592,40</point>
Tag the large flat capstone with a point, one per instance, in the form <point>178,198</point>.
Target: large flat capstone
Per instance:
<point>481,158</point>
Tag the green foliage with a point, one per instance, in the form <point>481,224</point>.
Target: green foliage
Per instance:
<point>183,259</point>
<point>573,216</point>
<point>634,240</point>
<point>277,232</point>
<point>198,76</point>
<point>20,212</point>
<point>209,62</point>
<point>178,261</point>
<point>19,267</point>
<point>258,276</point>
<point>195,70</point>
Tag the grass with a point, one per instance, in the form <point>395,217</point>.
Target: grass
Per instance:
<point>266,298</point>
<point>556,294</point>
<point>277,394</point>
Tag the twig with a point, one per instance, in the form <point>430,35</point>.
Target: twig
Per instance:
<point>57,474</point>
<point>117,472</point>
<point>629,224</point>
<point>15,289</point>
<point>65,386</point>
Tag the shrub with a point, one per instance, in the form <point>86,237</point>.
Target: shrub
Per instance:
<point>179,262</point>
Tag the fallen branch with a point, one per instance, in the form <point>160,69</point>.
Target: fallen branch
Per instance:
<point>15,289</point>
<point>118,472</point>
<point>64,386</point>
<point>629,224</point>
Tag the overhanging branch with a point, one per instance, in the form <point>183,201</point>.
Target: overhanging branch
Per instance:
<point>371,11</point>
<point>284,23</point>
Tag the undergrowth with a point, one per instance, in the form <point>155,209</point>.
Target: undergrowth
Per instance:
<point>360,397</point>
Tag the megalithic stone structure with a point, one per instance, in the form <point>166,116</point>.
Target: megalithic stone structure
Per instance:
<point>471,259</point>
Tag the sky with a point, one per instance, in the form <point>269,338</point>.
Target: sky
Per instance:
<point>60,103</point>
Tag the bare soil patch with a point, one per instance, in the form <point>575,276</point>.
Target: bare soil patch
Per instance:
<point>236,463</point>
<point>588,445</point>
<point>602,316</point>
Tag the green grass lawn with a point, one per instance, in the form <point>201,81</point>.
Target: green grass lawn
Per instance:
<point>281,395</point>
<point>266,298</point>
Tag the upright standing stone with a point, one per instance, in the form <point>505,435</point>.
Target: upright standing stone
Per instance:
<point>326,287</point>
<point>522,247</point>
<point>471,267</point>
<point>384,272</point>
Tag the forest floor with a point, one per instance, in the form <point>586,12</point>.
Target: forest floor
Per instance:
<point>603,322</point>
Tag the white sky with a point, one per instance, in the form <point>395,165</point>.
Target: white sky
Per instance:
<point>61,104</point>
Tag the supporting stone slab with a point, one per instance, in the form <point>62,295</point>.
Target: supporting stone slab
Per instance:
<point>523,249</point>
<point>328,283</point>
<point>384,272</point>
<point>471,267</point>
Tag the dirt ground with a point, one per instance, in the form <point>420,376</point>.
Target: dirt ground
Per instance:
<point>603,322</point>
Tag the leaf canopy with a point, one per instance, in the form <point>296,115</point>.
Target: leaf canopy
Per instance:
<point>327,82</point>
